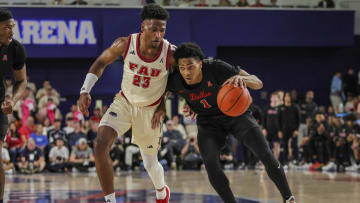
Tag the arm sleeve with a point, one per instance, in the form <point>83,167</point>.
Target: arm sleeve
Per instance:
<point>223,70</point>
<point>20,57</point>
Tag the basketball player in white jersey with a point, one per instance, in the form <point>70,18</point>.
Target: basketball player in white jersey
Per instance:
<point>147,58</point>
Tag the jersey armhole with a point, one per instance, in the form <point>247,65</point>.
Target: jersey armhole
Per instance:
<point>168,57</point>
<point>127,47</point>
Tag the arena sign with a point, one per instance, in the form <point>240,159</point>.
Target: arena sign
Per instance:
<point>55,32</point>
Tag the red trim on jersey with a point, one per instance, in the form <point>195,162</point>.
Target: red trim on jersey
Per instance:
<point>127,47</point>
<point>168,57</point>
<point>141,57</point>
<point>153,104</point>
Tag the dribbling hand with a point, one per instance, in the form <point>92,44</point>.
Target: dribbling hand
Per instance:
<point>84,103</point>
<point>7,106</point>
<point>235,80</point>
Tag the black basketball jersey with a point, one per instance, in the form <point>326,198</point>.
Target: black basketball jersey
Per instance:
<point>202,97</point>
<point>11,57</point>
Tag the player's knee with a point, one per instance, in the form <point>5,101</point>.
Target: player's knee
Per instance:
<point>103,141</point>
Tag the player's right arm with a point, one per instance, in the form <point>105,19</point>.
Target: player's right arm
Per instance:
<point>112,53</point>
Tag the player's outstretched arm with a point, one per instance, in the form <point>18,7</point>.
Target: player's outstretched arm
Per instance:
<point>97,68</point>
<point>244,79</point>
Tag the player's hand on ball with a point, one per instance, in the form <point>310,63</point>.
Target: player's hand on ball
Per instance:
<point>235,80</point>
<point>84,103</point>
<point>7,106</point>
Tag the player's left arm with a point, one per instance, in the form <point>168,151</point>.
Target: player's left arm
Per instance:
<point>244,79</point>
<point>19,88</point>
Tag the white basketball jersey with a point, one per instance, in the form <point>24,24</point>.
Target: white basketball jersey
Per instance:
<point>144,81</point>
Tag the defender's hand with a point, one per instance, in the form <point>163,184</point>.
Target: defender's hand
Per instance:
<point>7,106</point>
<point>158,118</point>
<point>237,80</point>
<point>84,103</point>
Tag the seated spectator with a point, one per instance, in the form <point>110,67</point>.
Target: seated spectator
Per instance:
<point>242,3</point>
<point>178,126</point>
<point>225,3</point>
<point>202,3</point>
<point>117,157</point>
<point>69,128</point>
<point>131,151</point>
<point>326,4</point>
<point>40,139</point>
<point>258,4</point>
<point>91,134</point>
<point>190,153</point>
<point>57,2</point>
<point>43,91</point>
<point>76,135</point>
<point>172,144</point>
<point>27,105</point>
<point>47,126</point>
<point>273,4</point>
<point>8,166</point>
<point>32,87</point>
<point>32,159</point>
<point>27,128</point>
<point>75,113</point>
<point>56,133</point>
<point>97,115</point>
<point>58,157</point>
<point>14,141</point>
<point>79,2</point>
<point>44,100</point>
<point>82,157</point>
<point>350,104</point>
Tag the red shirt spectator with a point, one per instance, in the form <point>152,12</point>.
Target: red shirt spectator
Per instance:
<point>13,138</point>
<point>97,115</point>
<point>202,3</point>
<point>258,4</point>
<point>28,128</point>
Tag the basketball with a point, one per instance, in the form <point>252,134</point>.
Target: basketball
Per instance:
<point>233,101</point>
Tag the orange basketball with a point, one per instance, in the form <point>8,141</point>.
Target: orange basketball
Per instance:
<point>233,101</point>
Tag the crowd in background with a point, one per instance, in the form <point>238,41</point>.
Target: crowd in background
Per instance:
<point>187,3</point>
<point>302,134</point>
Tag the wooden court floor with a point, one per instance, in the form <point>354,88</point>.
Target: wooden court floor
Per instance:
<point>186,187</point>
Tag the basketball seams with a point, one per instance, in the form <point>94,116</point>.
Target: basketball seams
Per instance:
<point>223,97</point>
<point>237,99</point>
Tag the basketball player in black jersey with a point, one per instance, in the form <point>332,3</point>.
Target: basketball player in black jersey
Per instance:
<point>198,82</point>
<point>12,57</point>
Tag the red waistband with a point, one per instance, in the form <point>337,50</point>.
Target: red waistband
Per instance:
<point>153,104</point>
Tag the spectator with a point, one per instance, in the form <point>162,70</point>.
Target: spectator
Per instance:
<point>32,87</point>
<point>32,159</point>
<point>350,83</point>
<point>82,157</point>
<point>242,3</point>
<point>27,128</point>
<point>27,105</point>
<point>273,3</point>
<point>326,4</point>
<point>97,115</point>
<point>178,126</point>
<point>190,153</point>
<point>47,126</point>
<point>8,166</point>
<point>294,97</point>
<point>44,100</point>
<point>14,141</point>
<point>75,114</point>
<point>336,94</point>
<point>58,2</point>
<point>58,157</point>
<point>330,111</point>
<point>202,3</point>
<point>307,109</point>
<point>76,135</point>
<point>69,128</point>
<point>320,150</point>
<point>91,135</point>
<point>79,2</point>
<point>225,3</point>
<point>257,4</point>
<point>40,139</point>
<point>117,157</point>
<point>56,133</point>
<point>172,144</point>
<point>131,151</point>
<point>43,91</point>
<point>350,103</point>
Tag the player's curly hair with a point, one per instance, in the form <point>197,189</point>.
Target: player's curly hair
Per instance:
<point>188,50</point>
<point>5,14</point>
<point>154,11</point>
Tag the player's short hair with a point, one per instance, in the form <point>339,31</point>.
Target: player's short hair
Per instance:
<point>154,11</point>
<point>5,14</point>
<point>188,50</point>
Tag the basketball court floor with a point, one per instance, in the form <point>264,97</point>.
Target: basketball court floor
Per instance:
<point>249,186</point>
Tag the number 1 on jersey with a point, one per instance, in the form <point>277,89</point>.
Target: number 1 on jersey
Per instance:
<point>205,103</point>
